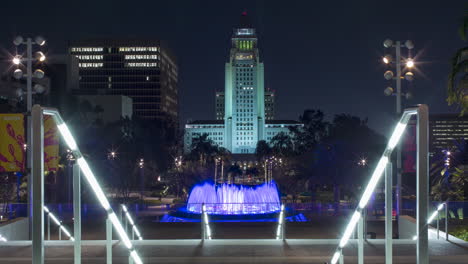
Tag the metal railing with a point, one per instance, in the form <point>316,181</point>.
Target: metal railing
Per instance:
<point>61,227</point>
<point>422,191</point>
<point>130,221</point>
<point>281,224</point>
<point>206,230</point>
<point>37,170</point>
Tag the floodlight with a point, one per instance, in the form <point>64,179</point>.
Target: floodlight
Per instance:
<point>40,56</point>
<point>387,59</point>
<point>18,73</point>
<point>39,40</point>
<point>408,95</point>
<point>409,44</point>
<point>388,43</point>
<point>16,60</point>
<point>388,91</point>
<point>39,74</point>
<point>350,228</point>
<point>409,76</point>
<point>18,40</point>
<point>39,88</point>
<point>388,75</point>
<point>19,92</point>
<point>410,63</point>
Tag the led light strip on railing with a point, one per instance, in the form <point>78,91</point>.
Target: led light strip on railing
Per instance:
<point>433,215</point>
<point>91,179</point>
<point>205,221</point>
<point>3,239</point>
<point>280,223</point>
<point>58,223</point>
<point>130,220</point>
<point>376,175</point>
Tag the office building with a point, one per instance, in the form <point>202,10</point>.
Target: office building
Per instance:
<point>144,70</point>
<point>245,117</point>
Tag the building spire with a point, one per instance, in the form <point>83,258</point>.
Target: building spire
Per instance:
<point>245,21</point>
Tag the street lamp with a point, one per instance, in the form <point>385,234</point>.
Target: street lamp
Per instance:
<point>400,65</point>
<point>18,74</point>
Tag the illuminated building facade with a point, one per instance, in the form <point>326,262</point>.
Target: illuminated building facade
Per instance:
<point>241,115</point>
<point>445,130</point>
<point>144,70</point>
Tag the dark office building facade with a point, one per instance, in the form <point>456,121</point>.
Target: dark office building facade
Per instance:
<point>144,70</point>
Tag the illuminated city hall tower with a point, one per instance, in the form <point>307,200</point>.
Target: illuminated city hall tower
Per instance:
<point>244,115</point>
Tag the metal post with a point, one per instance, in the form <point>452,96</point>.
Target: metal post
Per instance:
<point>446,221</point>
<point>216,171</point>
<point>77,212</point>
<point>341,257</point>
<point>422,185</point>
<point>142,181</point>
<point>437,224</point>
<point>48,226</point>
<point>398,111</point>
<point>130,259</point>
<point>203,235</point>
<point>108,241</point>
<point>60,232</point>
<point>133,233</point>
<point>361,241</point>
<point>364,222</point>
<point>29,140</point>
<point>222,171</point>
<point>37,170</point>
<point>388,214</point>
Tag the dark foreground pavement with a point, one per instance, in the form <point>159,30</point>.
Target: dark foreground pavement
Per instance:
<point>236,251</point>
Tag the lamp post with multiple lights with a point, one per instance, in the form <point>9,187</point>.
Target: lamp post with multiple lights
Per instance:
<point>401,65</point>
<point>18,74</point>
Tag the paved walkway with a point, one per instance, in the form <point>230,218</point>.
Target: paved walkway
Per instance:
<point>236,251</point>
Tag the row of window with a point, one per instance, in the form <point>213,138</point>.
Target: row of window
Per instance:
<point>142,57</point>
<point>137,49</point>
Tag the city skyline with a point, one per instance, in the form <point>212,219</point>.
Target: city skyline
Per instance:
<point>338,60</point>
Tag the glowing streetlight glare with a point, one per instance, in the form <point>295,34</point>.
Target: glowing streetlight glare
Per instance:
<point>385,60</point>
<point>16,60</point>
<point>41,57</point>
<point>410,63</point>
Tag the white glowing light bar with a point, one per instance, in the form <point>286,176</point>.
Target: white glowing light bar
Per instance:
<point>120,230</point>
<point>89,175</point>
<point>130,220</point>
<point>280,222</point>
<point>57,222</point>
<point>67,136</point>
<point>373,182</point>
<point>350,228</point>
<point>415,237</point>
<point>93,183</point>
<point>205,219</point>
<point>335,258</point>
<point>434,214</point>
<point>3,239</point>
<point>135,257</point>
<point>399,129</point>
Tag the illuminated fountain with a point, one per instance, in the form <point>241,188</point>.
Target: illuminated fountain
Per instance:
<point>230,199</point>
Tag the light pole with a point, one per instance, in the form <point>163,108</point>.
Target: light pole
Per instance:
<point>18,74</point>
<point>216,170</point>
<point>141,165</point>
<point>401,65</point>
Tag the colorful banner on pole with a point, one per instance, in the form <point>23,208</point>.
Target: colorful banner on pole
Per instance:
<point>12,143</point>
<point>51,144</point>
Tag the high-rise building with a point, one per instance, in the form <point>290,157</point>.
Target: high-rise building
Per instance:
<point>246,120</point>
<point>269,105</point>
<point>445,130</point>
<point>144,70</point>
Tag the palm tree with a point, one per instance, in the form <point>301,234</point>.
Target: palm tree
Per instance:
<point>203,148</point>
<point>457,89</point>
<point>282,144</point>
<point>263,150</point>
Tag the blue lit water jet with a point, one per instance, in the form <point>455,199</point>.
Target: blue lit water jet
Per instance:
<point>230,199</point>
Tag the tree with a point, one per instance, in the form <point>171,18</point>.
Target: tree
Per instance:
<point>203,148</point>
<point>457,88</point>
<point>282,145</point>
<point>262,150</point>
<point>313,131</point>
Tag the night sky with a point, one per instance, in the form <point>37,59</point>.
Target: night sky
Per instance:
<point>317,54</point>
